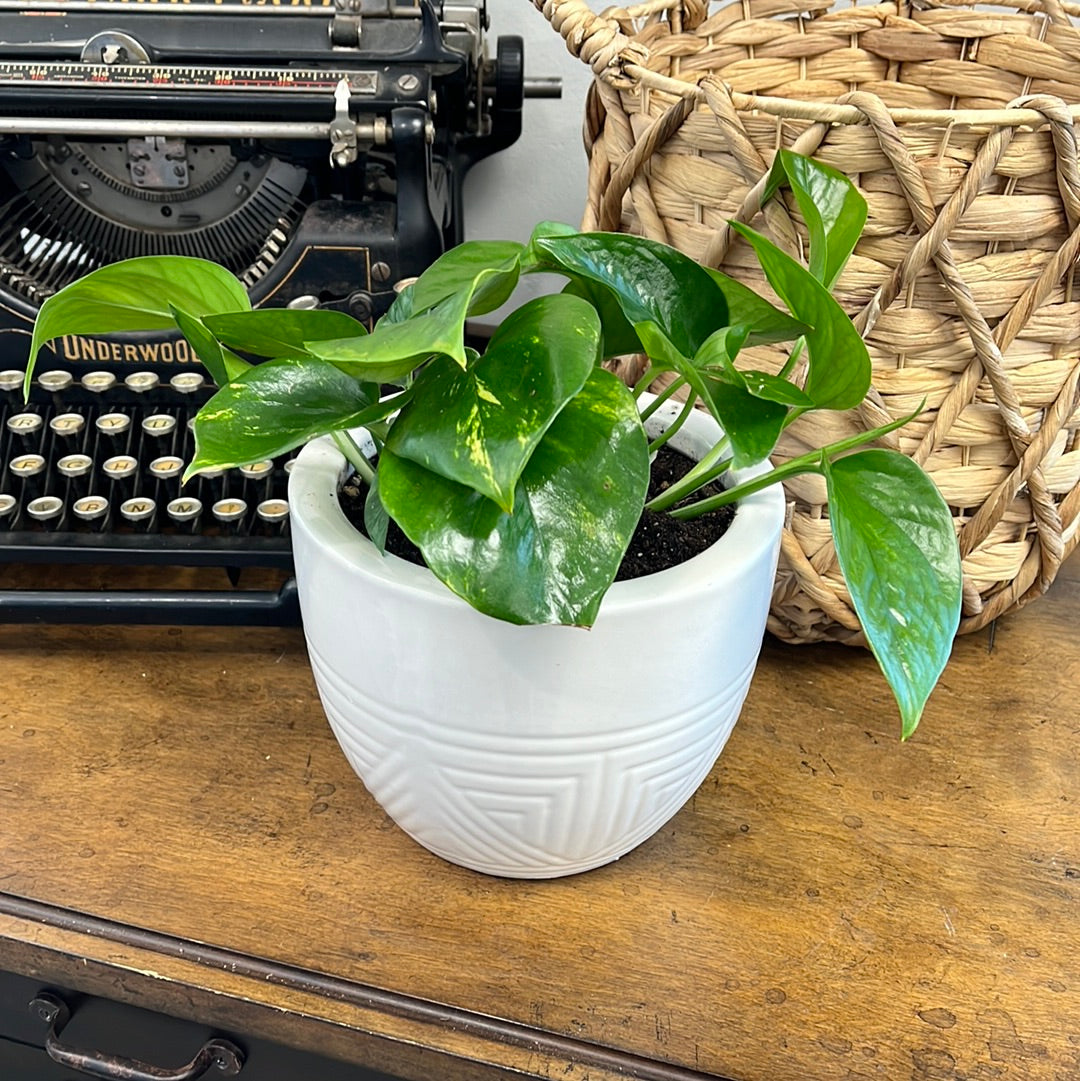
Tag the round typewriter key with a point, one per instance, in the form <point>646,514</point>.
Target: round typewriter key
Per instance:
<point>185,511</point>
<point>159,424</point>
<point>75,465</point>
<point>141,382</point>
<point>91,508</point>
<point>7,504</point>
<point>46,508</point>
<point>166,467</point>
<point>120,466</point>
<point>187,382</point>
<point>273,515</point>
<point>288,466</point>
<point>55,381</point>
<point>257,470</point>
<point>98,382</point>
<point>139,511</point>
<point>113,425</point>
<point>229,512</point>
<point>66,425</point>
<point>25,427</point>
<point>11,379</point>
<point>27,465</point>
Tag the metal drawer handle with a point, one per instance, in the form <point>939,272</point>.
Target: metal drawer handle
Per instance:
<point>221,1056</point>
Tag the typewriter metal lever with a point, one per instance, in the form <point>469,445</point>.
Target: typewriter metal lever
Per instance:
<point>346,134</point>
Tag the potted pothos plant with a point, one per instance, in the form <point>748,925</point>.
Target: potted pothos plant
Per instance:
<point>466,693</point>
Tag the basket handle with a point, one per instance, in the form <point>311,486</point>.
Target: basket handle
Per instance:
<point>596,40</point>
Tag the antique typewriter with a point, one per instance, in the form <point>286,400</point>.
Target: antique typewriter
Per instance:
<point>316,148</point>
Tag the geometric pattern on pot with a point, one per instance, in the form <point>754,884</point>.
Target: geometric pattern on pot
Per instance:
<point>527,805</point>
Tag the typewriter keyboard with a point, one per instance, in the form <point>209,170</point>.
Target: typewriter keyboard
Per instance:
<point>90,472</point>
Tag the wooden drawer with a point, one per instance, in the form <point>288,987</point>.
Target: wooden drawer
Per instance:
<point>122,1031</point>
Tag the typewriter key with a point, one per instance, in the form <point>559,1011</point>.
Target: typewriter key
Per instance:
<point>230,513</point>
<point>66,425</point>
<point>257,477</point>
<point>273,516</point>
<point>139,511</point>
<point>158,425</point>
<point>30,469</point>
<point>184,512</point>
<point>114,427</point>
<point>46,508</point>
<point>257,470</point>
<point>75,465</point>
<point>98,382</point>
<point>26,428</point>
<point>120,467</point>
<point>120,470</point>
<point>187,382</point>
<point>55,382</point>
<point>76,468</point>
<point>11,379</point>
<point>7,505</point>
<point>167,467</point>
<point>141,382</point>
<point>93,509</point>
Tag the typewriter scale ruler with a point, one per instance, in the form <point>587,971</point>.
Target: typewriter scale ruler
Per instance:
<point>143,77</point>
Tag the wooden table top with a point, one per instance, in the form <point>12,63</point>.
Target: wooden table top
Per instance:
<point>179,829</point>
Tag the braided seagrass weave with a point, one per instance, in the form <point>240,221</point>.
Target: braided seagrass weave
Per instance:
<point>957,125</point>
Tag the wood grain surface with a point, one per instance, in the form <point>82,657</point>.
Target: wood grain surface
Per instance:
<point>178,828</point>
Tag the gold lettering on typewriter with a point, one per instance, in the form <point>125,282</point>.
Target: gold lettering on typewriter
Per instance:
<point>100,351</point>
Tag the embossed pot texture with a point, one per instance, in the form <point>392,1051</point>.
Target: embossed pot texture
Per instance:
<point>529,752</point>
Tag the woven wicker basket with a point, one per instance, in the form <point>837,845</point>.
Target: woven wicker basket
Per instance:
<point>957,125</point>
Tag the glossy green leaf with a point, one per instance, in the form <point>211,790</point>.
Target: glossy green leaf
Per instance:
<point>222,364</point>
<point>716,360</point>
<point>831,205</point>
<point>896,545</point>
<point>838,372</point>
<point>376,518</point>
<point>752,424</point>
<point>618,337</point>
<point>652,282</point>
<point>479,425</point>
<point>282,332</point>
<point>136,295</point>
<point>392,350</point>
<point>487,270</point>
<point>274,407</point>
<point>576,507</point>
<point>765,323</point>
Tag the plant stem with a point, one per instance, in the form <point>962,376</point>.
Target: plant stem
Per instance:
<point>642,384</point>
<point>662,397</point>
<point>708,468</point>
<point>672,428</point>
<point>347,445</point>
<point>811,462</point>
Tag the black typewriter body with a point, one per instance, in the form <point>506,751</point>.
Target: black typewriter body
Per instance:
<point>316,149</point>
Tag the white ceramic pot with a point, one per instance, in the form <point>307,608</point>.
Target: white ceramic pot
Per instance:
<point>529,752</point>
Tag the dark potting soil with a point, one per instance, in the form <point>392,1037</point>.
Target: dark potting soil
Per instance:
<point>659,542</point>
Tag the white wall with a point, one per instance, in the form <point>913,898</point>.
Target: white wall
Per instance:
<point>542,176</point>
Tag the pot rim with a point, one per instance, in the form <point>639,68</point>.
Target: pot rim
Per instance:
<point>320,468</point>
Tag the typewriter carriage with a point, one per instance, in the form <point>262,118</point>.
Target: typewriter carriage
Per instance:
<point>320,179</point>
